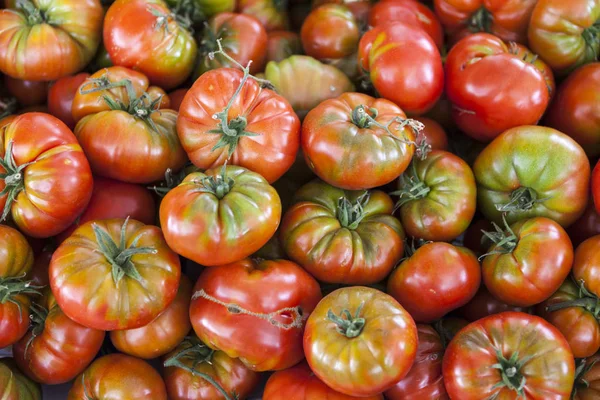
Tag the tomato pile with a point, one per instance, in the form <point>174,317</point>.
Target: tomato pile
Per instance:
<point>300,200</point>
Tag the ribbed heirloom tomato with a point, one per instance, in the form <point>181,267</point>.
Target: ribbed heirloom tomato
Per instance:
<point>14,385</point>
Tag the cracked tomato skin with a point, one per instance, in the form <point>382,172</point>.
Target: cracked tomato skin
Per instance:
<point>484,107</point>
<point>374,361</point>
<point>16,386</point>
<point>548,368</point>
<point>58,183</point>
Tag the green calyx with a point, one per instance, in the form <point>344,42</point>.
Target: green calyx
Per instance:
<point>8,106</point>
<point>521,199</point>
<point>119,256</point>
<point>218,185</point>
<point>346,324</point>
<point>12,286</point>
<point>591,36</point>
<point>510,370</point>
<point>411,188</point>
<point>586,300</point>
<point>481,21</point>
<point>186,13</point>
<point>505,241</point>
<point>582,368</point>
<point>38,322</point>
<point>361,117</point>
<point>34,15</point>
<point>14,179</point>
<point>351,214</point>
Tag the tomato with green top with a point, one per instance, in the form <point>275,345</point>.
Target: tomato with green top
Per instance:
<point>330,32</point>
<point>587,380</point>
<point>14,385</point>
<point>434,133</point>
<point>586,265</point>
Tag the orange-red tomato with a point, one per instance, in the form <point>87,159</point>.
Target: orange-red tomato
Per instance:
<point>330,32</point>
<point>61,95</point>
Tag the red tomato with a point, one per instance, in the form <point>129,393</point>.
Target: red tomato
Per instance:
<point>434,133</point>
<point>475,240</point>
<point>39,271</point>
<point>586,226</point>
<point>272,14</point>
<point>27,93</point>
<point>404,65</point>
<point>586,265</point>
<point>177,97</point>
<point>527,55</point>
<point>330,32</point>
<point>282,44</point>
<point>360,8</point>
<point>42,166</point>
<point>509,356</point>
<point>255,311</point>
<point>61,95</point>
<point>484,304</point>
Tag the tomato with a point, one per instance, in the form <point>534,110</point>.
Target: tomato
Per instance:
<point>507,356</point>
<point>424,380</point>
<point>435,280</point>
<point>330,32</point>
<point>197,226</point>
<point>104,379</point>
<point>587,264</point>
<point>527,55</point>
<point>596,186</point>
<point>484,107</point>
<point>299,383</point>
<point>360,8</point>
<point>39,271</point>
<point>121,130</point>
<point>177,97</point>
<point>475,240</point>
<point>114,199</point>
<point>262,132</point>
<point>56,349</point>
<point>351,321</point>
<point>161,335</point>
<point>61,95</point>
<point>16,386</point>
<point>46,40</point>
<point>185,364</point>
<point>404,65</point>
<point>410,12</point>
<point>283,44</point>
<point>532,171</point>
<point>213,7</point>
<point>587,381</point>
<point>438,197</point>
<point>135,274</point>
<point>148,37</point>
<point>243,38</point>
<point>42,165</point>
<point>507,19</point>
<point>342,236</point>
<point>565,35</point>
<point>322,82</point>
<point>27,93</point>
<point>586,226</point>
<point>527,262</point>
<point>484,304</point>
<point>272,14</point>
<point>434,133</point>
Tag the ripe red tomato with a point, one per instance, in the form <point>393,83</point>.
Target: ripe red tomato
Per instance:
<point>360,8</point>
<point>484,304</point>
<point>42,165</point>
<point>46,40</point>
<point>271,148</point>
<point>14,385</point>
<point>135,274</point>
<point>404,65</point>
<point>282,44</point>
<point>527,262</point>
<point>104,379</point>
<point>61,95</point>
<point>357,142</point>
<point>196,226</point>
<point>586,265</point>
<point>351,321</point>
<point>27,93</point>
<point>39,271</point>
<point>255,311</point>
<point>330,32</point>
<point>435,280</point>
<point>527,55</point>
<point>56,349</point>
<point>522,356</point>
<point>484,107</point>
<point>272,14</point>
<point>434,133</point>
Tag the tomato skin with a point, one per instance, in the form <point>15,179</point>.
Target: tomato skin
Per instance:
<point>434,133</point>
<point>45,52</point>
<point>14,385</point>
<point>193,224</point>
<point>517,158</point>
<point>114,199</point>
<point>61,95</point>
<point>270,153</point>
<point>330,32</point>
<point>161,335</point>
<point>39,271</point>
<point>283,44</point>
<point>587,264</point>
<point>103,379</point>
<point>484,304</point>
<point>587,386</point>
<point>556,33</point>
<point>482,107</point>
<point>586,226</point>
<point>60,171</point>
<point>27,93</point>
<point>299,383</point>
<point>177,97</point>
<point>272,14</point>
<point>359,8</point>
<point>535,268</point>
<point>527,55</point>
<point>346,155</point>
<point>16,255</point>
<point>79,260</point>
<point>596,186</point>
<point>61,351</point>
<point>213,7</point>
<point>392,341</point>
<point>14,320</point>
<point>166,55</point>
<point>260,287</point>
<point>404,66</point>
<point>549,373</point>
<point>424,380</point>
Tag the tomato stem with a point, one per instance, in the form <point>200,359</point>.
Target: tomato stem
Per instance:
<point>38,322</point>
<point>583,367</point>
<point>586,300</point>
<point>351,214</point>
<point>504,241</point>
<point>411,187</point>
<point>481,21</point>
<point>350,326</point>
<point>591,35</point>
<point>172,180</point>
<point>510,370</point>
<point>12,286</point>
<point>521,199</point>
<point>218,185</point>
<point>7,106</point>
<point>34,15</point>
<point>13,178</point>
<point>185,13</point>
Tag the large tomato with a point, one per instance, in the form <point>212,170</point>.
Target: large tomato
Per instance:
<point>272,14</point>
<point>118,376</point>
<point>510,355</point>
<point>434,133</point>
<point>283,44</point>
<point>404,65</point>
<point>532,171</point>
<point>61,95</point>
<point>262,132</point>
<point>587,381</point>
<point>148,37</point>
<point>492,88</point>
<point>49,39</point>
<point>300,383</point>
<point>133,274</point>
<point>330,32</point>
<point>255,311</point>
<point>484,304</point>
<point>586,265</point>
<point>16,386</point>
<point>56,349</point>
<point>220,216</point>
<point>366,334</point>
<point>121,129</point>
<point>41,167</point>
<point>565,34</point>
<point>438,197</point>
<point>341,236</point>
<point>435,280</point>
<point>527,262</point>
